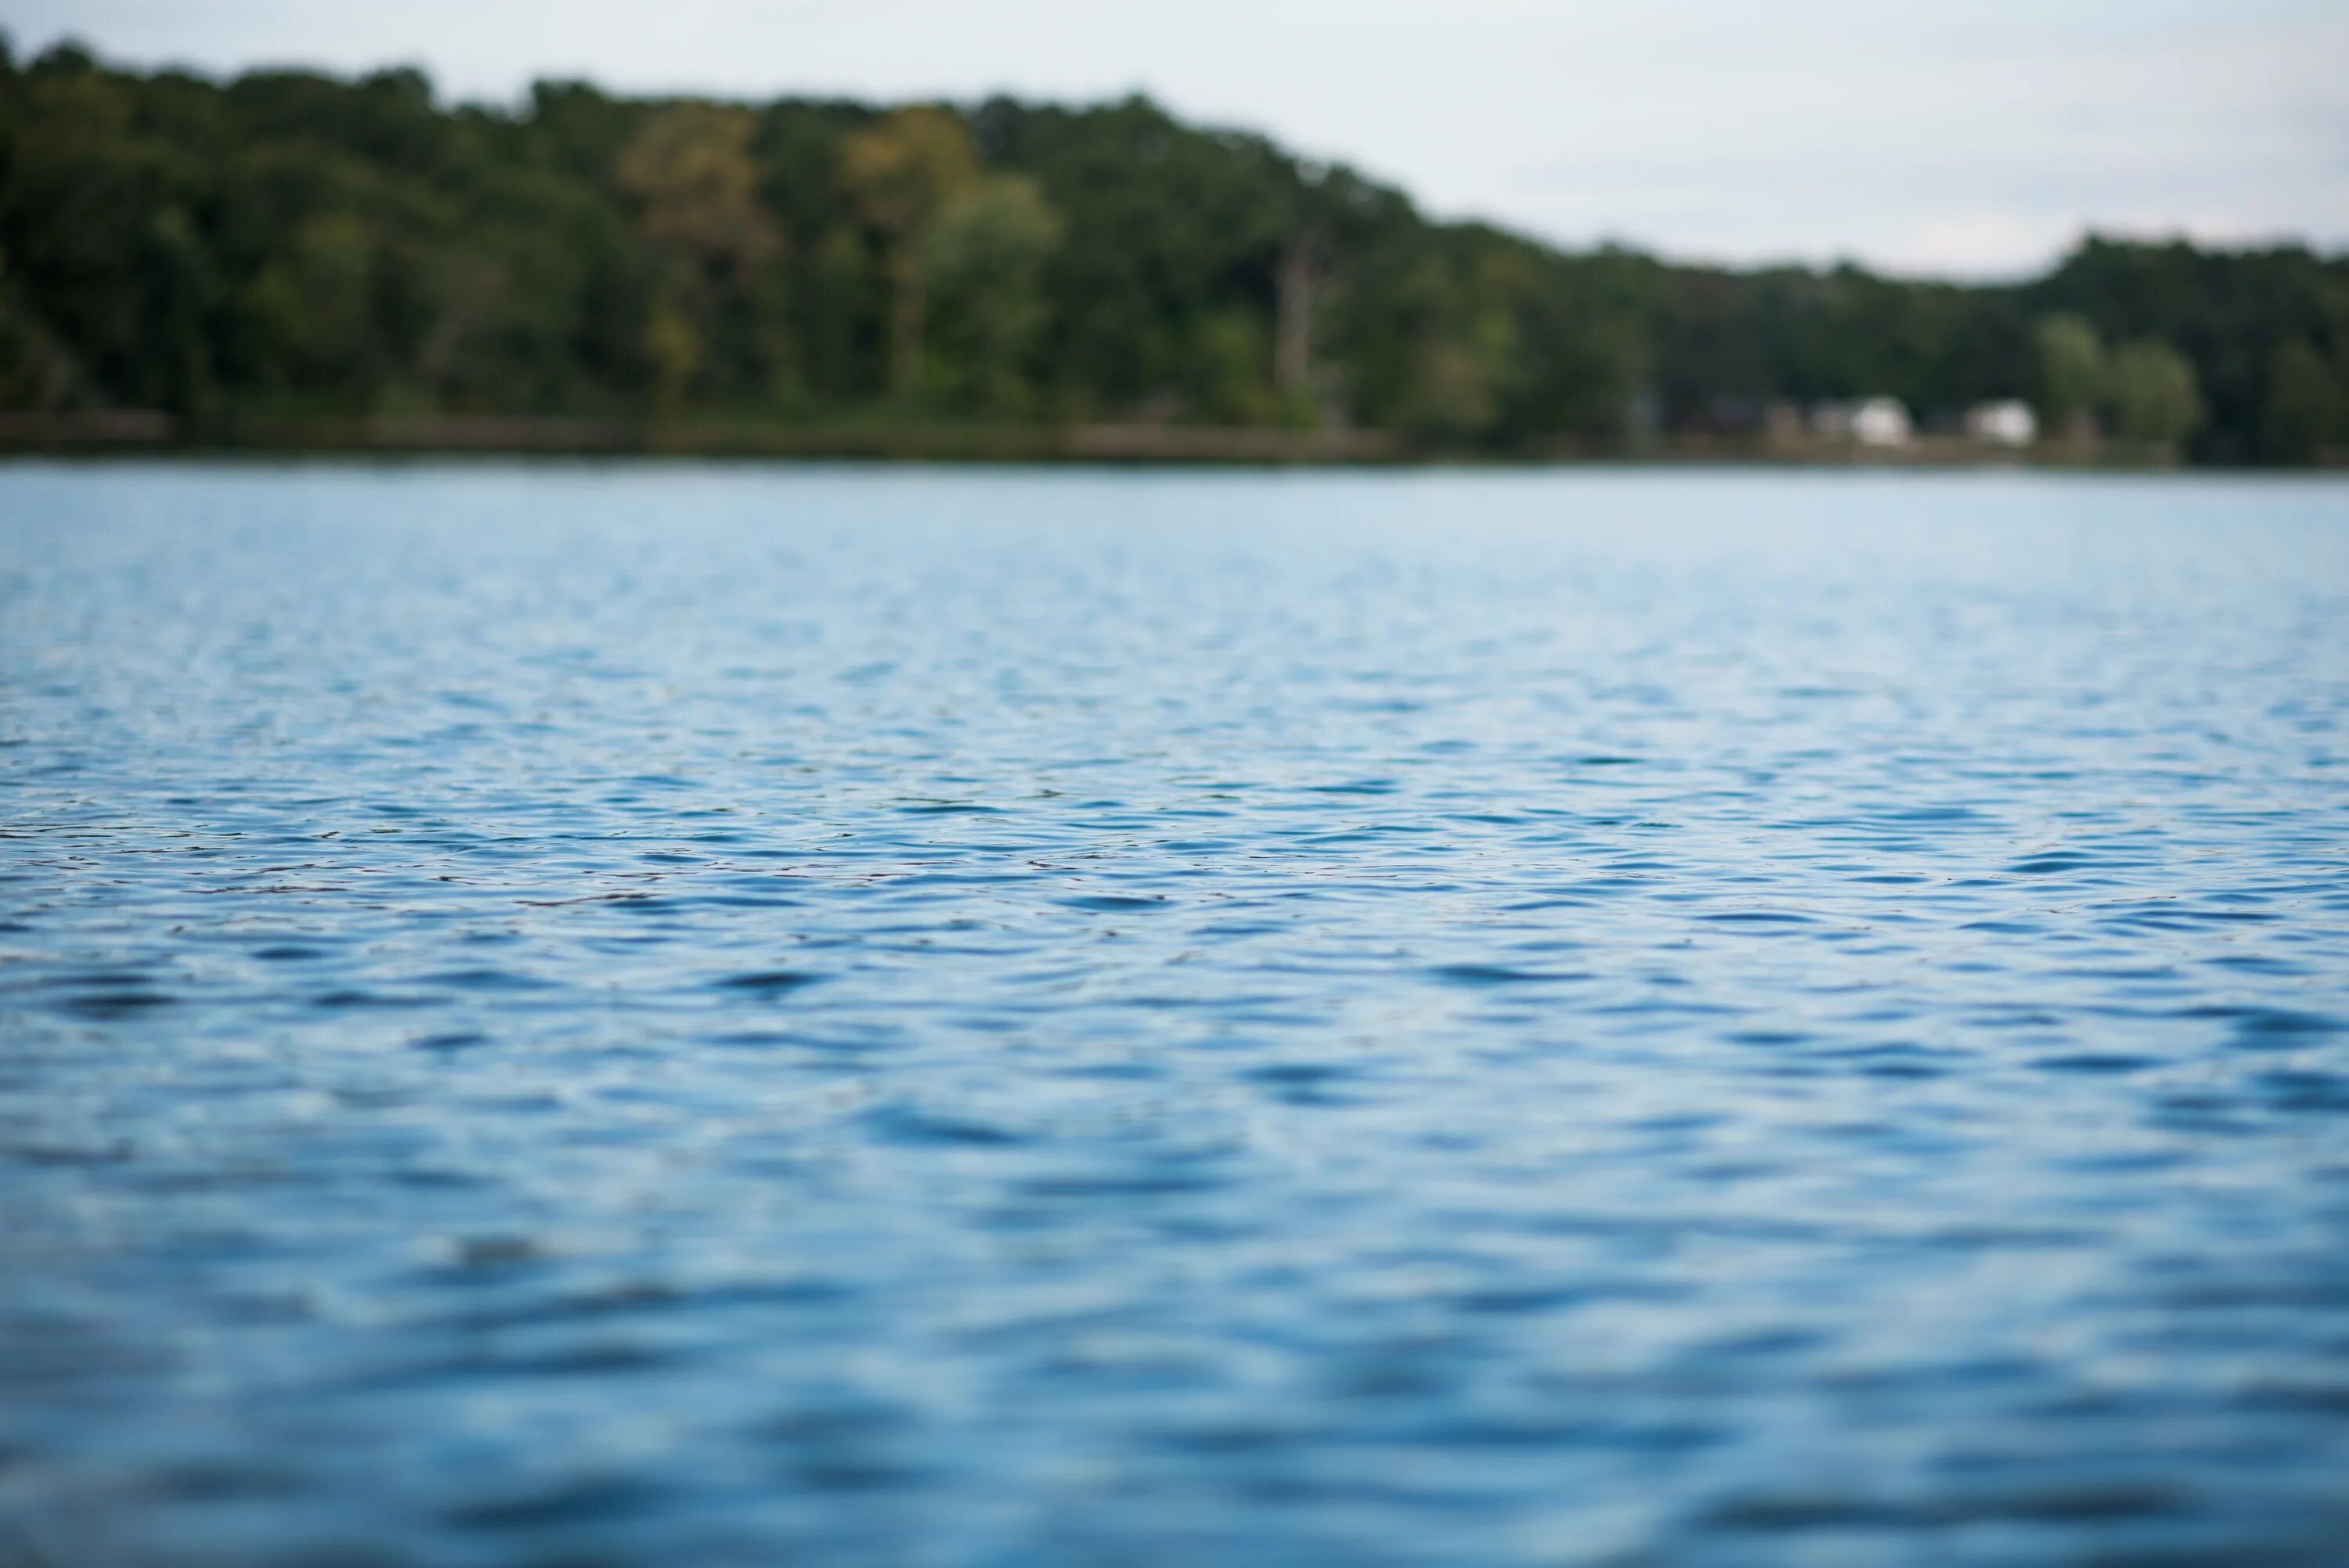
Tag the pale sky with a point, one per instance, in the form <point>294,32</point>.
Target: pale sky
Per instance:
<point>1969,138</point>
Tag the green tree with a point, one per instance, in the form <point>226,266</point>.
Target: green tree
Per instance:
<point>1461,368</point>
<point>982,261</point>
<point>293,241</point>
<point>900,173</point>
<point>2072,372</point>
<point>34,371</point>
<point>2151,391</point>
<point>1224,379</point>
<point>177,293</point>
<point>695,186</point>
<point>2306,409</point>
<point>315,305</point>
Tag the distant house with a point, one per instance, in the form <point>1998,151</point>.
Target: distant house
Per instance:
<point>1881,422</point>
<point>2009,422</point>
<point>1870,421</point>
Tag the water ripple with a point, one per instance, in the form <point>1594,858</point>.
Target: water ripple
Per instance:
<point>610,1014</point>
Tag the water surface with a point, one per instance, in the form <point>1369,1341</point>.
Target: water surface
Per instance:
<point>741,1015</point>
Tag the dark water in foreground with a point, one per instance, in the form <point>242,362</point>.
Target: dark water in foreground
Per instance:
<point>684,1015</point>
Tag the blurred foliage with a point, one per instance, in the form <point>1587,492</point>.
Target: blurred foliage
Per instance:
<point>2307,405</point>
<point>901,175</point>
<point>290,243</point>
<point>2071,372</point>
<point>2152,393</point>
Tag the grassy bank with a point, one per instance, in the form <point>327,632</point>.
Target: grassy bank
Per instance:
<point>146,430</point>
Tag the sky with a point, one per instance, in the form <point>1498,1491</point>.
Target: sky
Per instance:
<point>1955,137</point>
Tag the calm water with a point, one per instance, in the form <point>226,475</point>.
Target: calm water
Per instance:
<point>731,1015</point>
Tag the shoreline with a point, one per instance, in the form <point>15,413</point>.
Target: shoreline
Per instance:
<point>129,432</point>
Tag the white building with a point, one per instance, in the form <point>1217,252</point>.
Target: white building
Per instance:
<point>1870,421</point>
<point>1880,422</point>
<point>2009,422</point>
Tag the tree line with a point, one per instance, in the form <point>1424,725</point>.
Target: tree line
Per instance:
<point>289,243</point>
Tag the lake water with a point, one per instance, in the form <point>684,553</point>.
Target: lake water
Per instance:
<point>701,1015</point>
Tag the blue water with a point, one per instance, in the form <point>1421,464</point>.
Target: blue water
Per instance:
<point>672,1015</point>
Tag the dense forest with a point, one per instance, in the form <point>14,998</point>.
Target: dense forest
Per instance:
<point>290,245</point>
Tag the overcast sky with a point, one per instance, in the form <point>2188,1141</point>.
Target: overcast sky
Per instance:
<point>1959,137</point>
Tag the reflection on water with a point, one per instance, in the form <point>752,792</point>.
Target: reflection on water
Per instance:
<point>702,1016</point>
